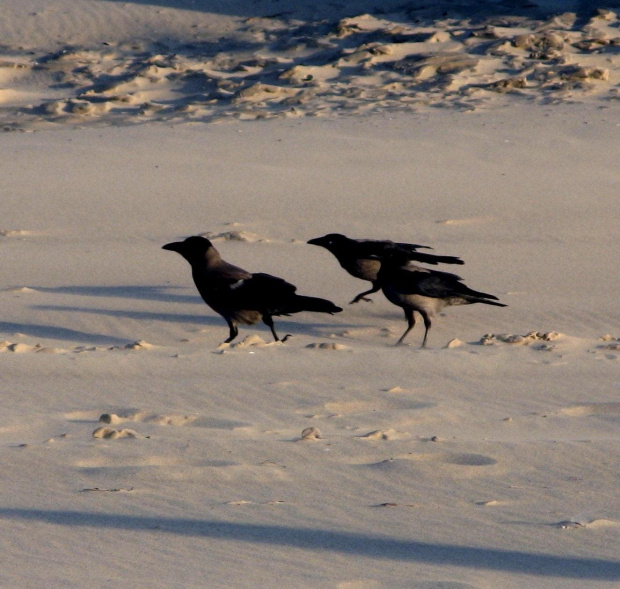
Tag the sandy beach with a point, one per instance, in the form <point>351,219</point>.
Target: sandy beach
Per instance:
<point>137,450</point>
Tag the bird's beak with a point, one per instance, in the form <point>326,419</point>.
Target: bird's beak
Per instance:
<point>173,247</point>
<point>315,241</point>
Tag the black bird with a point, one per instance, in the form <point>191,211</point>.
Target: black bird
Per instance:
<point>238,295</point>
<point>362,257</point>
<point>424,290</point>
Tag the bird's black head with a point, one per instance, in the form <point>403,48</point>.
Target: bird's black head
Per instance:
<point>192,248</point>
<point>331,241</point>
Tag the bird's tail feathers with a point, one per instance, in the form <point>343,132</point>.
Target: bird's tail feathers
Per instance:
<point>485,301</point>
<point>303,303</point>
<point>465,290</point>
<point>433,259</point>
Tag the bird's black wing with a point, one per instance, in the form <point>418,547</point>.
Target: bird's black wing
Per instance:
<point>375,248</point>
<point>412,247</point>
<point>432,283</point>
<point>420,281</point>
<point>378,250</point>
<point>409,251</point>
<point>261,292</point>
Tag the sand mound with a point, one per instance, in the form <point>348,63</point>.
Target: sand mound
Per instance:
<point>109,433</point>
<point>142,417</point>
<point>244,236</point>
<point>311,434</point>
<point>385,435</point>
<point>514,339</point>
<point>249,341</point>
<point>333,346</point>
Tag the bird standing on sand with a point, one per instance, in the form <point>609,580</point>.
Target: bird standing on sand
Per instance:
<point>240,296</point>
<point>362,257</point>
<point>424,290</point>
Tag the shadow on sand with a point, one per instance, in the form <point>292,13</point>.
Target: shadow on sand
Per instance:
<point>145,293</point>
<point>61,333</point>
<point>364,545</point>
<point>282,325</point>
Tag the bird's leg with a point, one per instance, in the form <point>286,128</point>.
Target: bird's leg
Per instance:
<point>410,321</point>
<point>427,324</point>
<point>234,332</point>
<point>362,295</point>
<point>268,321</point>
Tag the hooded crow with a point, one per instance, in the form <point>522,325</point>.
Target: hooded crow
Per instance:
<point>238,295</point>
<point>362,257</point>
<point>424,290</point>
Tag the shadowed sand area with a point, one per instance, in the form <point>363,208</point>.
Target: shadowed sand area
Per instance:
<point>377,547</point>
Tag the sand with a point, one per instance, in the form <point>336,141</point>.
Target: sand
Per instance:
<point>136,450</point>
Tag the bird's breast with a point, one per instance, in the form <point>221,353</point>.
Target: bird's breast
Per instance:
<point>414,301</point>
<point>363,268</point>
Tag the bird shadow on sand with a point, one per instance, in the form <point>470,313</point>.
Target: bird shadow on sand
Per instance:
<point>136,315</point>
<point>60,333</point>
<point>337,542</point>
<point>282,326</point>
<point>145,293</point>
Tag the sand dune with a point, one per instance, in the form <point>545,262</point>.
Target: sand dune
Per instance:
<point>278,66</point>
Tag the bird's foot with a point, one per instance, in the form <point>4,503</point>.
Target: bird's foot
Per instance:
<point>286,337</point>
<point>356,300</point>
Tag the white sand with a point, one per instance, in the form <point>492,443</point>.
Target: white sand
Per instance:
<point>473,465</point>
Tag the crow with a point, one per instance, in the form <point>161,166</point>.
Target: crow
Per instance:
<point>426,291</point>
<point>240,296</point>
<point>362,257</point>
